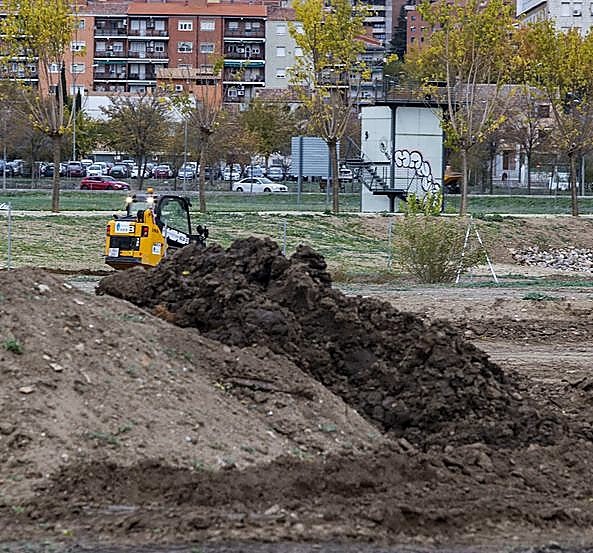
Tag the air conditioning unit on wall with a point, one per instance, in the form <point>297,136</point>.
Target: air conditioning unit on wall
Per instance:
<point>577,12</point>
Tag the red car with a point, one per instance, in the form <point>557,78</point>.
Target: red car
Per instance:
<point>103,182</point>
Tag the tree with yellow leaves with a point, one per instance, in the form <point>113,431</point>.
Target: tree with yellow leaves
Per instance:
<point>40,32</point>
<point>558,63</point>
<point>327,74</point>
<point>466,66</point>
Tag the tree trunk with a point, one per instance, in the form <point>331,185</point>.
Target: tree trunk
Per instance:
<point>528,170</point>
<point>573,185</point>
<point>464,186</point>
<point>335,177</point>
<point>55,191</point>
<point>202,177</point>
<point>141,161</point>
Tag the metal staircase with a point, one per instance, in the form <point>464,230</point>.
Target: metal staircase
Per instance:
<point>375,176</point>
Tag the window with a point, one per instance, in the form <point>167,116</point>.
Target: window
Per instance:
<point>280,51</point>
<point>298,27</point>
<point>100,46</point>
<point>118,47</point>
<point>543,111</point>
<point>207,68</point>
<point>159,47</point>
<point>78,68</point>
<point>207,25</point>
<point>54,67</point>
<point>185,26</point>
<point>255,25</point>
<point>233,25</point>
<point>565,9</point>
<point>508,160</point>
<point>159,25</point>
<point>80,24</point>
<point>206,47</point>
<point>77,46</point>
<point>185,47</point>
<point>281,29</point>
<point>298,51</point>
<point>281,73</point>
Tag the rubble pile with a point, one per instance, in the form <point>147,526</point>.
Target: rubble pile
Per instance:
<point>565,259</point>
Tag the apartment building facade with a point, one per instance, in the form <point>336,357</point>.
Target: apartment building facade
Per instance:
<point>126,47</point>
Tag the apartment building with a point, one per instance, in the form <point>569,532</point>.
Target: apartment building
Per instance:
<point>281,48</point>
<point>566,14</point>
<point>125,47</point>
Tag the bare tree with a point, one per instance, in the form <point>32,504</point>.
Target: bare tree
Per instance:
<point>39,33</point>
<point>138,125</point>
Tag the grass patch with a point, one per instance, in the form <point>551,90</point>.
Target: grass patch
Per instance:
<point>13,345</point>
<point>538,296</point>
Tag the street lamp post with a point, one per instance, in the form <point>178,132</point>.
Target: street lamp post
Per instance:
<point>4,166</point>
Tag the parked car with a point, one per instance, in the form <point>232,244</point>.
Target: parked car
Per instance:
<point>19,168</point>
<point>136,171</point>
<point>103,182</point>
<point>7,168</point>
<point>236,172</point>
<point>346,175</point>
<point>275,172</point>
<point>162,172</point>
<point>254,171</point>
<point>95,169</point>
<point>258,184</point>
<point>87,162</point>
<point>75,169</point>
<point>47,170</point>
<point>186,173</point>
<point>120,171</point>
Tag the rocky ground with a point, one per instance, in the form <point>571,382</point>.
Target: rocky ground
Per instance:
<point>245,399</point>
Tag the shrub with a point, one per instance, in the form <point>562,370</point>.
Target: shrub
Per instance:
<point>13,345</point>
<point>431,248</point>
<point>430,204</point>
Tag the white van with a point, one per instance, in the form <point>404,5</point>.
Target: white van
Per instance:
<point>559,181</point>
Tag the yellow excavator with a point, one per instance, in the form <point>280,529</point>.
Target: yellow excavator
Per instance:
<point>152,227</point>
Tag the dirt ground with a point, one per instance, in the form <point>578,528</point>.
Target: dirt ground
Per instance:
<point>247,400</point>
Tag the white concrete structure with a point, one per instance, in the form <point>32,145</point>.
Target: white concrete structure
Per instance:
<point>403,147</point>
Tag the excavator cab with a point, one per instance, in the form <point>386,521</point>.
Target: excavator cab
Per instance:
<point>152,227</point>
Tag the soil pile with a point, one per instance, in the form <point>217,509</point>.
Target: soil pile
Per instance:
<point>89,379</point>
<point>419,381</point>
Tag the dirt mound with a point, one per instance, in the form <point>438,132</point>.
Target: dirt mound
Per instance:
<point>94,379</point>
<point>420,381</point>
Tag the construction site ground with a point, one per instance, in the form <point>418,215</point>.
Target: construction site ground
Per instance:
<point>246,403</point>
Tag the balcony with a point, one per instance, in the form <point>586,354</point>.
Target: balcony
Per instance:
<point>147,33</point>
<point>109,54</point>
<point>243,33</point>
<point>142,77</point>
<point>148,55</point>
<point>244,56</point>
<point>111,31</point>
<point>109,76</point>
<point>247,77</point>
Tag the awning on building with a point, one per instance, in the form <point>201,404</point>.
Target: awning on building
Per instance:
<point>244,63</point>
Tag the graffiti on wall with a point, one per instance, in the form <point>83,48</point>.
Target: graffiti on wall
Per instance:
<point>421,170</point>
